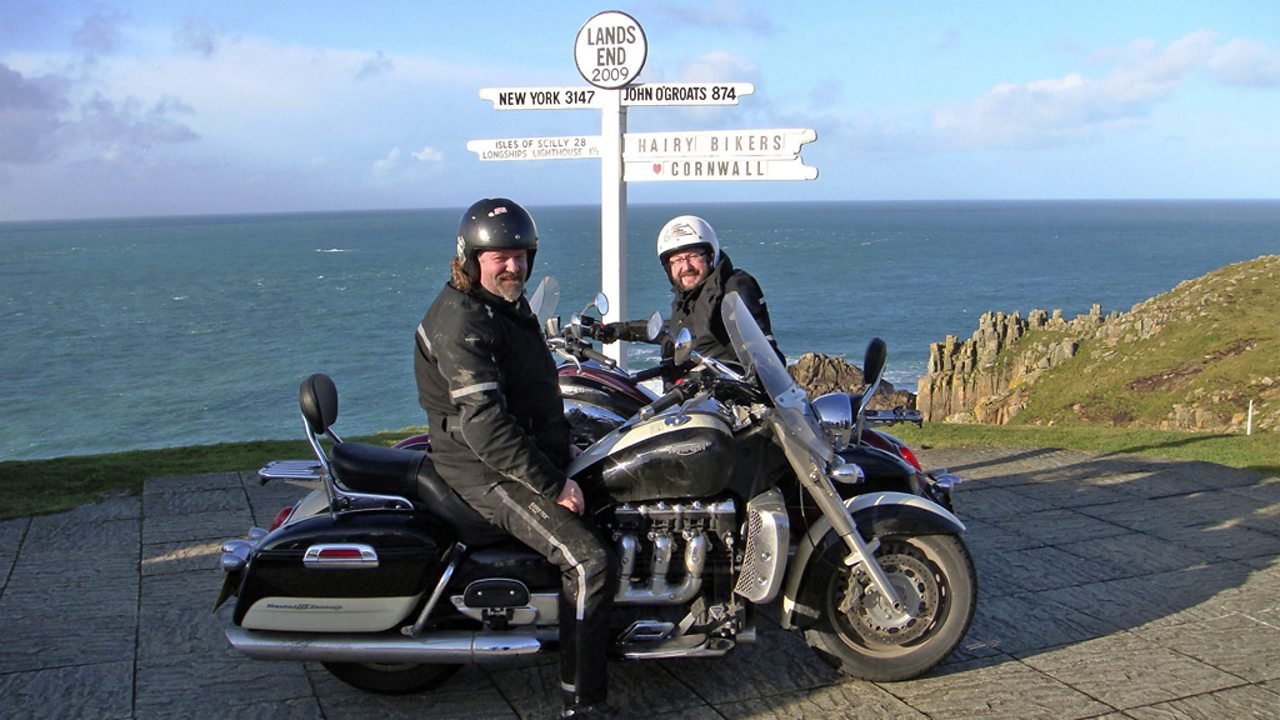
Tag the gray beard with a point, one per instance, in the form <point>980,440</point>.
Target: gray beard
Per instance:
<point>511,293</point>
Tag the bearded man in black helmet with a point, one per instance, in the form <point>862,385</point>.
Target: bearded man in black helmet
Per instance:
<point>499,438</point>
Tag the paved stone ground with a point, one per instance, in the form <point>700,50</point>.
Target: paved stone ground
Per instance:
<point>1110,586</point>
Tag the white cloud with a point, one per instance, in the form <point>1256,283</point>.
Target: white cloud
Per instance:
<point>429,154</point>
<point>99,34</point>
<point>198,36</point>
<point>387,165</point>
<point>1246,62</point>
<point>719,15</point>
<point>400,166</point>
<point>30,116</point>
<point>378,64</point>
<point>1055,110</point>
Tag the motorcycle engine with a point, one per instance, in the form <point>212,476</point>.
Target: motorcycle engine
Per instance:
<point>667,550</point>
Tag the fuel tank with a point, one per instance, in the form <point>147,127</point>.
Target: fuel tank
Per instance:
<point>356,572</point>
<point>596,401</point>
<point>673,455</point>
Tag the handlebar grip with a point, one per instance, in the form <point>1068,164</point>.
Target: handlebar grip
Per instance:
<point>601,358</point>
<point>649,373</point>
<point>674,397</point>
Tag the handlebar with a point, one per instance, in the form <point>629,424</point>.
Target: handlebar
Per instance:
<point>651,372</point>
<point>673,397</point>
<point>591,354</point>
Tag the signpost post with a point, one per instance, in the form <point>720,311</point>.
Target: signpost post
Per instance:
<point>610,50</point>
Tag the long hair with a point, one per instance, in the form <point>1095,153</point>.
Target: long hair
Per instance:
<point>458,277</point>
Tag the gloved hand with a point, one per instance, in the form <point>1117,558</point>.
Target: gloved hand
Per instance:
<point>610,332</point>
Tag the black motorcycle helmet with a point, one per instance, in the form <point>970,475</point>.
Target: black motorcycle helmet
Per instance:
<point>495,224</point>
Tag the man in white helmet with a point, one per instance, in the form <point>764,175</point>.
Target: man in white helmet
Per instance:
<point>701,276</point>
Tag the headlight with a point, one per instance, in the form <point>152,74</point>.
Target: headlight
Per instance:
<point>835,414</point>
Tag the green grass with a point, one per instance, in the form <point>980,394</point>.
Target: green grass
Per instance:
<point>1259,452</point>
<point>33,487</point>
<point>1215,352</point>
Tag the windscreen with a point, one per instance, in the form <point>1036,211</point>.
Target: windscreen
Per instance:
<point>545,298</point>
<point>758,357</point>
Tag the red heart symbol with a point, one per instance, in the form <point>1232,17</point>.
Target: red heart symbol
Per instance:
<point>657,168</point>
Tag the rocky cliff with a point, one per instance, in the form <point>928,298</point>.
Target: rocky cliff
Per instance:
<point>1190,359</point>
<point>822,374</point>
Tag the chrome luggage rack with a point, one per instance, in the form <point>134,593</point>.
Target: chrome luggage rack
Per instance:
<point>310,470</point>
<point>895,416</point>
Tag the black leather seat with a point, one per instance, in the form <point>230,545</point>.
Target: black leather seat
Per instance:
<point>411,475</point>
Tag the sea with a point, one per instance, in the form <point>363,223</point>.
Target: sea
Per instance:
<point>139,333</point>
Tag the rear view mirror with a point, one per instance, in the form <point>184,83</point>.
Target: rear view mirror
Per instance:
<point>874,361</point>
<point>684,346</point>
<point>653,330</point>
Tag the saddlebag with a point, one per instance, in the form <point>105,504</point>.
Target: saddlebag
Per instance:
<point>353,572</point>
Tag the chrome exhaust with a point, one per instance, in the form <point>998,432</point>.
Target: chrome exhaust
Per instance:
<point>438,647</point>
<point>660,591</point>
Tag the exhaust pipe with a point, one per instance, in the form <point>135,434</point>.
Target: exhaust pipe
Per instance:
<point>450,647</point>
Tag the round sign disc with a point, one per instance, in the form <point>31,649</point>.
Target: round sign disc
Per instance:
<point>610,50</point>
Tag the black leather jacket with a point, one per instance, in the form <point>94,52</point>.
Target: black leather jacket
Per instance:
<point>699,310</point>
<point>489,386</point>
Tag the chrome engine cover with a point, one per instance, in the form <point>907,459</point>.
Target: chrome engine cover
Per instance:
<point>768,539</point>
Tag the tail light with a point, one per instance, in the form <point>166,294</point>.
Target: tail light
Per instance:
<point>884,441</point>
<point>281,517</point>
<point>910,457</point>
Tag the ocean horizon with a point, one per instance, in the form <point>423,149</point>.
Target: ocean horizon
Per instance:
<point>133,333</point>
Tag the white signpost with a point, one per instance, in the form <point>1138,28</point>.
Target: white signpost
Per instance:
<point>685,93</point>
<point>744,168</point>
<point>718,143</point>
<point>543,98</point>
<point>610,50</point>
<point>564,147</point>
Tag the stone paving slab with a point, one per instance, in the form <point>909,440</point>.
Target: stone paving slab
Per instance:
<point>1126,671</point>
<point>1110,586</point>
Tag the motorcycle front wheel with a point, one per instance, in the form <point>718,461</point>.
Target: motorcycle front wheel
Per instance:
<point>391,678</point>
<point>859,634</point>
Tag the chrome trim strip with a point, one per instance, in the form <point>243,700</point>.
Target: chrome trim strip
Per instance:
<point>435,647</point>
<point>314,557</point>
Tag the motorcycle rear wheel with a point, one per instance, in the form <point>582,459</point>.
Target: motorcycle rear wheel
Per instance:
<point>856,632</point>
<point>391,679</point>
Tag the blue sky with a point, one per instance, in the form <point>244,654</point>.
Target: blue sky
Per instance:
<point>179,107</point>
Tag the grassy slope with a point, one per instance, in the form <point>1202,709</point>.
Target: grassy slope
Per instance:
<point>1217,349</point>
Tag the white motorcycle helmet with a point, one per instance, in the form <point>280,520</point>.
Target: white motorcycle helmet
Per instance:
<point>684,232</point>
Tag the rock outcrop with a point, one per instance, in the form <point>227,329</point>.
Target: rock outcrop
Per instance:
<point>821,374</point>
<point>987,378</point>
<point>1189,359</point>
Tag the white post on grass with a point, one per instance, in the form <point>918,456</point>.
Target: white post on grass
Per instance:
<point>1249,425</point>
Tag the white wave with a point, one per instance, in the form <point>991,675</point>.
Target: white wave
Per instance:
<point>332,250</point>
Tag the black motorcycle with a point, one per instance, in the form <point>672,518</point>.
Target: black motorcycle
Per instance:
<point>387,578</point>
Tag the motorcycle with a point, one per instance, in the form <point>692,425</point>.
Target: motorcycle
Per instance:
<point>392,582</point>
<point>599,396</point>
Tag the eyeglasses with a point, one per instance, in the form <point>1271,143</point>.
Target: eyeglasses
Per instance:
<point>688,258</point>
